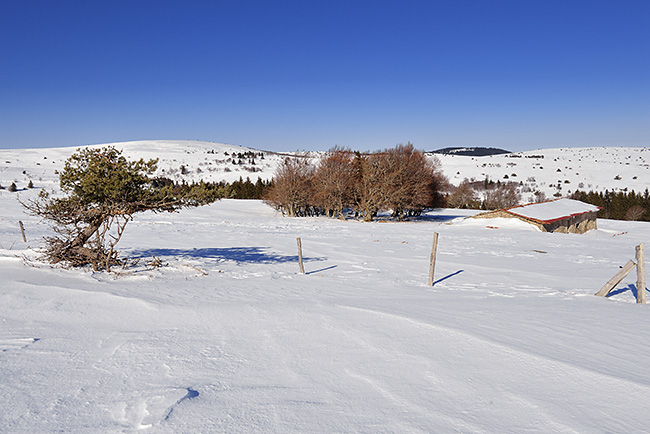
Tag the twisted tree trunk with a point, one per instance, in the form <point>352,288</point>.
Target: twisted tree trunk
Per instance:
<point>88,232</point>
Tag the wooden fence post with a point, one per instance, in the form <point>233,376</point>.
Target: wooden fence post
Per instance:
<point>432,260</point>
<point>640,274</point>
<point>22,230</point>
<point>616,279</point>
<point>302,268</point>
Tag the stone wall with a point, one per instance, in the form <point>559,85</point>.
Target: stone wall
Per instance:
<point>574,225</point>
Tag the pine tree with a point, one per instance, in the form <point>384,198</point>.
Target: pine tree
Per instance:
<point>104,192</point>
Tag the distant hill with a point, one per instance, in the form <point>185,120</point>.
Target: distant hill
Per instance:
<point>473,152</point>
<point>554,172</point>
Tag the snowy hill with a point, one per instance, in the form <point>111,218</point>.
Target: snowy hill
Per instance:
<point>229,337</point>
<point>472,152</point>
<point>552,171</point>
<point>178,159</point>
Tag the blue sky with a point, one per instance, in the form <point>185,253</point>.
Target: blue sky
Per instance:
<point>288,75</point>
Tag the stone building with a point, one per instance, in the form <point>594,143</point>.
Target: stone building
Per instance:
<point>560,215</point>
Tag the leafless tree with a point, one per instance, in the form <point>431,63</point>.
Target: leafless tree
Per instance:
<point>463,196</point>
<point>634,213</point>
<point>368,194</point>
<point>411,181</point>
<point>333,182</point>
<point>292,190</point>
<point>540,196</point>
<point>401,179</point>
<point>502,196</point>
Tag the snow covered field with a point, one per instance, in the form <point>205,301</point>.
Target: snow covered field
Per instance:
<point>550,171</point>
<point>554,171</point>
<point>229,337</point>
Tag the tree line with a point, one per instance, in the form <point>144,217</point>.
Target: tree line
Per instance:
<point>621,205</point>
<point>400,179</point>
<point>243,189</point>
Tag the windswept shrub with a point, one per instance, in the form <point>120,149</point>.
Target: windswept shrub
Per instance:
<point>104,192</point>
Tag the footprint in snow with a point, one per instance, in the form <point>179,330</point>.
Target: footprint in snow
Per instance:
<point>160,406</point>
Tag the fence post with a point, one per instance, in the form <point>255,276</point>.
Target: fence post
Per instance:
<point>22,230</point>
<point>302,268</point>
<point>432,260</point>
<point>640,274</point>
<point>616,279</point>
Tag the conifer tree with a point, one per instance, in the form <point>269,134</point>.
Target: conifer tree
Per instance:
<point>104,191</point>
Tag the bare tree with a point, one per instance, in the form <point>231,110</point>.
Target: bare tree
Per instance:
<point>540,196</point>
<point>463,196</point>
<point>410,182</point>
<point>502,196</point>
<point>333,183</point>
<point>368,192</point>
<point>401,179</point>
<point>292,187</point>
<point>634,213</point>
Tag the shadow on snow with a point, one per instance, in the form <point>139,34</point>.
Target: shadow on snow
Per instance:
<point>322,269</point>
<point>435,218</point>
<point>424,218</point>
<point>447,277</point>
<point>630,287</point>
<point>257,255</point>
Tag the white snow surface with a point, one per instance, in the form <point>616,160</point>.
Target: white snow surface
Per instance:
<point>553,210</point>
<point>228,336</point>
<point>559,171</point>
<point>206,161</point>
<point>555,172</point>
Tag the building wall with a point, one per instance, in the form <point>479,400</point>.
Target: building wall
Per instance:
<point>573,225</point>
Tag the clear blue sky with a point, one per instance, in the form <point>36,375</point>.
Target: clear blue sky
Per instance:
<point>288,75</point>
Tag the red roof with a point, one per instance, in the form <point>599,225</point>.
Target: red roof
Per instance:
<point>553,210</point>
